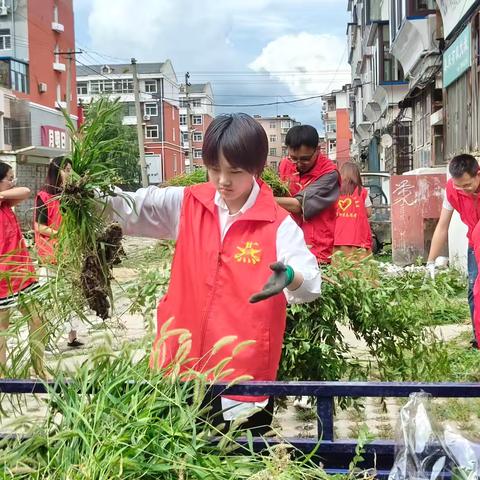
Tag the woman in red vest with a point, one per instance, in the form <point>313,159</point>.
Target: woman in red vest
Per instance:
<point>353,235</point>
<point>47,222</point>
<point>231,235</point>
<point>17,273</point>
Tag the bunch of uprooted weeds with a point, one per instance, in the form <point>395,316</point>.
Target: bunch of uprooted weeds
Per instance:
<point>89,245</point>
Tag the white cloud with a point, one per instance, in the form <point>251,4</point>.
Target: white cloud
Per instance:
<point>308,64</point>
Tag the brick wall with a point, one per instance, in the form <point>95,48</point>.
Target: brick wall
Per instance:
<point>32,176</point>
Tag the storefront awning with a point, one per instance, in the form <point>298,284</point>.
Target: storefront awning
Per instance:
<point>37,154</point>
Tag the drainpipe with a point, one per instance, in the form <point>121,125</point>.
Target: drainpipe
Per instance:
<point>162,163</point>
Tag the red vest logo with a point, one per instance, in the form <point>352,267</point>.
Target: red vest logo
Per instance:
<point>250,253</point>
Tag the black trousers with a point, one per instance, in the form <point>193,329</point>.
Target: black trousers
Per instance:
<point>258,423</point>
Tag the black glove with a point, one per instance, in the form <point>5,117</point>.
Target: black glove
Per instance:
<point>281,277</point>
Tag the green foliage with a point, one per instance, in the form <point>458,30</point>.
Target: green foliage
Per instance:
<point>199,175</point>
<point>386,313</point>
<point>122,152</point>
<point>119,419</point>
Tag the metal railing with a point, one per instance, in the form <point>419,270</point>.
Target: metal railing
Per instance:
<point>334,454</point>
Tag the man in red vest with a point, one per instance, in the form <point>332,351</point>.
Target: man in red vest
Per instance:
<point>461,194</point>
<point>314,185</point>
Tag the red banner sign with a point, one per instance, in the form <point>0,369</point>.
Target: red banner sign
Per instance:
<point>53,137</point>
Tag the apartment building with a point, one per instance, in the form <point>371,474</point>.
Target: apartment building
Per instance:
<point>276,129</point>
<point>37,80</point>
<point>381,130</point>
<point>196,114</point>
<point>159,99</point>
<point>336,119</point>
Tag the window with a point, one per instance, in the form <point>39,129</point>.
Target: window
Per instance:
<point>150,86</point>
<point>196,102</point>
<point>331,127</point>
<point>14,75</point>
<point>95,86</point>
<point>82,88</point>
<point>183,103</point>
<point>129,109</point>
<point>390,68</point>
<point>273,125</point>
<point>197,136</point>
<point>332,146</point>
<point>273,152</point>
<point>183,119</point>
<point>197,154</point>
<point>151,109</point>
<point>151,131</point>
<point>197,119</point>
<point>273,138</point>
<point>421,7</point>
<point>184,137</point>
<point>286,124</point>
<point>108,86</point>
<point>7,131</point>
<point>5,39</point>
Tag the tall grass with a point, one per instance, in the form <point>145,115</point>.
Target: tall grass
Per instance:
<point>119,419</point>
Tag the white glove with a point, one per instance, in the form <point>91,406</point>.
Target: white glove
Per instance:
<point>431,270</point>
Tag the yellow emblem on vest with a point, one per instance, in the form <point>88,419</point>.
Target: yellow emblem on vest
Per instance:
<point>249,253</point>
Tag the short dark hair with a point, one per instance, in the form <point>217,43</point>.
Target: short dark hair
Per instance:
<point>53,181</point>
<point>4,169</point>
<point>302,135</point>
<point>462,164</point>
<point>240,139</point>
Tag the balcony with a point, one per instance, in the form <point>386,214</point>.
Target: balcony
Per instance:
<point>413,40</point>
<point>331,135</point>
<point>58,27</point>
<point>59,67</point>
<point>384,96</point>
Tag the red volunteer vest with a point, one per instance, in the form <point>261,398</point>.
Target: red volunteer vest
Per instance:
<point>466,205</point>
<point>318,231</point>
<point>45,244</point>
<point>352,227</point>
<point>16,267</point>
<point>475,240</point>
<point>211,282</point>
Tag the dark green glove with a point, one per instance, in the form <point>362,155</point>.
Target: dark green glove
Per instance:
<point>281,277</point>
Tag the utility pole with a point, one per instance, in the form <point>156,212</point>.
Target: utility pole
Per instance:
<point>68,91</point>
<point>69,80</point>
<point>189,121</point>
<point>140,134</point>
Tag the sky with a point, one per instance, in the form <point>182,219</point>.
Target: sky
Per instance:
<point>251,51</point>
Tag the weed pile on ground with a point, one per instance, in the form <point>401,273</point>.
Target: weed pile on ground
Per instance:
<point>390,315</point>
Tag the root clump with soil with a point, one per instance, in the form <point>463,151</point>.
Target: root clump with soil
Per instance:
<point>96,273</point>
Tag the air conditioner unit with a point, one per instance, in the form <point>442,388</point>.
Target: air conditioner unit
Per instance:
<point>146,118</point>
<point>42,87</point>
<point>3,10</point>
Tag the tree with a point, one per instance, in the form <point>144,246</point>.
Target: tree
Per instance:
<point>123,156</point>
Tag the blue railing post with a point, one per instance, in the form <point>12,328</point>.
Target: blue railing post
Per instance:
<point>325,409</point>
